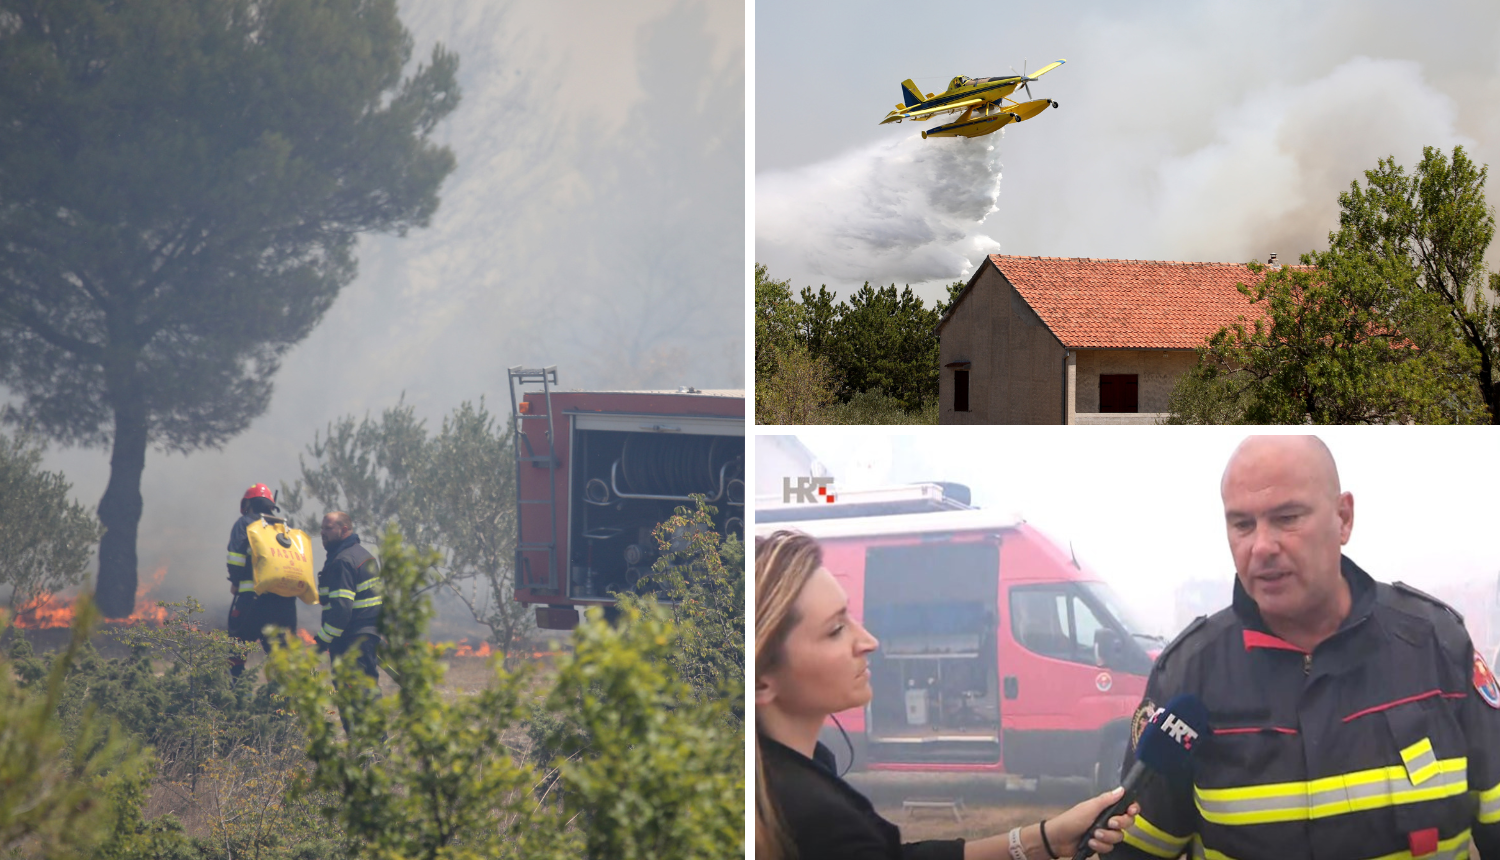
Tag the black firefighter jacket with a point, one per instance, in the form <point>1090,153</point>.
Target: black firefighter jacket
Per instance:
<point>1384,742</point>
<point>349,589</point>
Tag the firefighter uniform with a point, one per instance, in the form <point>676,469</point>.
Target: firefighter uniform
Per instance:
<point>1383,742</point>
<point>251,612</point>
<point>349,590</point>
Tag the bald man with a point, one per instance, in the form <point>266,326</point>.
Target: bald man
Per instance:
<point>1350,718</point>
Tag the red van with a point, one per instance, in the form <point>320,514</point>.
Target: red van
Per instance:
<point>998,651</point>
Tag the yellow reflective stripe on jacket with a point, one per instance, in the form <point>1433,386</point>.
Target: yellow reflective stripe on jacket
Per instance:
<point>1421,761</point>
<point>247,585</point>
<point>365,602</point>
<point>341,593</point>
<point>1489,805</point>
<point>1334,795</point>
<point>329,632</point>
<point>1153,840</point>
<point>1453,848</point>
<point>368,584</point>
<point>237,559</point>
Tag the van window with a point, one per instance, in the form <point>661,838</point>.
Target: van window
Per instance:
<point>1054,622</point>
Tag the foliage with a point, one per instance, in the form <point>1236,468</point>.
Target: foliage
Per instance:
<point>662,773</point>
<point>58,799</point>
<point>183,185</point>
<point>796,388</point>
<point>418,775</point>
<point>815,356</point>
<point>46,535</point>
<point>703,578</point>
<point>874,407</point>
<point>777,320</point>
<point>654,770</point>
<point>1394,323</point>
<point>1432,228</point>
<point>887,341</point>
<point>1326,352</point>
<point>453,492</point>
<point>954,290</point>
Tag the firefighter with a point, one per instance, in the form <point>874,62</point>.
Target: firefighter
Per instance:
<point>349,589</point>
<point>249,613</point>
<point>1350,718</point>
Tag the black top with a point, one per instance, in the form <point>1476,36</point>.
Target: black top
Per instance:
<point>827,819</point>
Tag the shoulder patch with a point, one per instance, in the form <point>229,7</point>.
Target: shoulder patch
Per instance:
<point>1140,719</point>
<point>1484,682</point>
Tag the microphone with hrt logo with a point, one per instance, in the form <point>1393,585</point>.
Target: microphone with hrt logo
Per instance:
<point>1165,747</point>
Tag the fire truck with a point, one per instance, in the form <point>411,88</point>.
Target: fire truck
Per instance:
<point>597,471</point>
<point>999,652</point>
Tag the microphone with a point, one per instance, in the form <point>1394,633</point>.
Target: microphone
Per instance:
<point>1165,747</point>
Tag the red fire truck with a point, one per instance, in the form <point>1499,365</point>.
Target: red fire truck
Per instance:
<point>998,651</point>
<point>597,471</point>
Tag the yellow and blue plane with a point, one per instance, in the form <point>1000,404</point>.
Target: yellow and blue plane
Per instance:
<point>981,102</point>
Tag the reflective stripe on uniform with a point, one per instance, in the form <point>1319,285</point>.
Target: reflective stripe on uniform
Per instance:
<point>1421,761</point>
<point>247,585</point>
<point>343,593</point>
<point>1329,796</point>
<point>322,591</point>
<point>1452,848</point>
<point>1489,805</point>
<point>237,559</point>
<point>329,632</point>
<point>1153,840</point>
<point>368,584</point>
<point>366,602</point>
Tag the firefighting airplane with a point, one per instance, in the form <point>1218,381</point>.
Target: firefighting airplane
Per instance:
<point>979,99</point>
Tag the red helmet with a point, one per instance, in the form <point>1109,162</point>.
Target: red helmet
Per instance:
<point>258,491</point>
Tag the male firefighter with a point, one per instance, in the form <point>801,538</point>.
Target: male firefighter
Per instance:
<point>249,613</point>
<point>1349,718</point>
<point>349,589</point>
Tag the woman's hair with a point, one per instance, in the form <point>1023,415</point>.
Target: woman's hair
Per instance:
<point>783,564</point>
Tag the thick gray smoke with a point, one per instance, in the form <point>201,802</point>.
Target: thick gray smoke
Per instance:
<point>1207,131</point>
<point>905,210</point>
<point>595,222</point>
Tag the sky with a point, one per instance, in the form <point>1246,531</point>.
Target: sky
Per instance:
<point>1141,505</point>
<point>595,222</point>
<point>1212,131</point>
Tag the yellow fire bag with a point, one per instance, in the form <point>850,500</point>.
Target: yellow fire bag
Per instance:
<point>282,560</point>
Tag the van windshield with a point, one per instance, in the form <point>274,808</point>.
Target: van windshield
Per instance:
<point>1132,623</point>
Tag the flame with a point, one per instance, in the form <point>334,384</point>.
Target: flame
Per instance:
<point>306,637</point>
<point>467,650</point>
<point>52,611</point>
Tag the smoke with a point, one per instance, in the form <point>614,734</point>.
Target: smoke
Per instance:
<point>1270,179</point>
<point>1209,131</point>
<point>904,210</point>
<point>595,222</point>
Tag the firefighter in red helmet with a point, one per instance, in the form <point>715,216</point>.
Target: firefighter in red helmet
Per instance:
<point>250,613</point>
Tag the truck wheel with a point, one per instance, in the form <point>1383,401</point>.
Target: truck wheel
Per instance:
<point>1107,768</point>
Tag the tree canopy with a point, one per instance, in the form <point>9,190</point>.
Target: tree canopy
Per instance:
<point>48,537</point>
<point>1394,323</point>
<point>182,183</point>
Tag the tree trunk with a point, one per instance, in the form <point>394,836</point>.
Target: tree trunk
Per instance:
<point>120,513</point>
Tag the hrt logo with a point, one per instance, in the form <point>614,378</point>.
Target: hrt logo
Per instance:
<point>1181,732</point>
<point>806,491</point>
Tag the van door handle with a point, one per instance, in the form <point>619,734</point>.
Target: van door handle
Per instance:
<point>1012,687</point>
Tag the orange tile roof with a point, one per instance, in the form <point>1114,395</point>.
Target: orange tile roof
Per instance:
<point>1130,304</point>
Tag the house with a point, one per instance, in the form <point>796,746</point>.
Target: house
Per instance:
<point>1066,340</point>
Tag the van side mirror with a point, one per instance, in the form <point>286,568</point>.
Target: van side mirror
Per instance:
<point>1109,649</point>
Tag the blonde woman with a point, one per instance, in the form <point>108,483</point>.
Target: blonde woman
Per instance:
<point>810,662</point>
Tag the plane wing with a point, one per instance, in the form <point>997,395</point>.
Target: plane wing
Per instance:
<point>947,107</point>
<point>1045,69</point>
